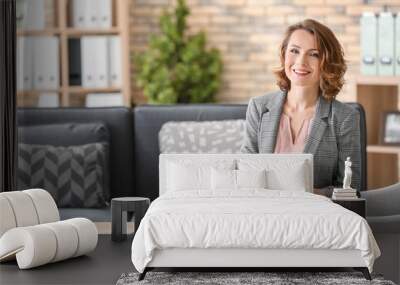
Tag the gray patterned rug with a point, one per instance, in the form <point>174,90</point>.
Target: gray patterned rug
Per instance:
<point>270,278</point>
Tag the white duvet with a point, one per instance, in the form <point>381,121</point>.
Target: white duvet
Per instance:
<point>250,219</point>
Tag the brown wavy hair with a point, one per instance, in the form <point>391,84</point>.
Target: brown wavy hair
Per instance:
<point>332,64</point>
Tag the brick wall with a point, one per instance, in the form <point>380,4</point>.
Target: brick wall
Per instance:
<point>248,34</point>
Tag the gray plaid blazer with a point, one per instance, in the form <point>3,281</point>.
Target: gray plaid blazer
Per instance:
<point>334,135</point>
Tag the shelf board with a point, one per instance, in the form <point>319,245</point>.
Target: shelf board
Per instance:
<point>33,92</point>
<point>383,149</point>
<point>83,91</point>
<point>378,80</point>
<point>71,32</point>
<point>74,32</point>
<point>44,32</point>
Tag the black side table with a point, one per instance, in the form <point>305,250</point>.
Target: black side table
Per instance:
<point>355,205</point>
<point>119,210</point>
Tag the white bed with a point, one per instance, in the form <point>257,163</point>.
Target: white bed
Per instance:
<point>199,226</point>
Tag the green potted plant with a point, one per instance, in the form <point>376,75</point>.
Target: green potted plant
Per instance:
<point>177,68</point>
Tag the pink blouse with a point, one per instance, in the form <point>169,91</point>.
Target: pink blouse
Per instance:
<point>284,140</point>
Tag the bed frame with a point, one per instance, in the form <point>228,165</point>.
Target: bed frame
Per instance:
<point>241,258</point>
<point>256,258</point>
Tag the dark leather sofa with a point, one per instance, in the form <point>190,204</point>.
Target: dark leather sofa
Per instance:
<point>134,146</point>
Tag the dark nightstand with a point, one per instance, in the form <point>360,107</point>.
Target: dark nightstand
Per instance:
<point>120,207</point>
<point>355,205</point>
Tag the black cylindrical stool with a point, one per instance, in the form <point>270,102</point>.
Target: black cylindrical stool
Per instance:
<point>119,209</point>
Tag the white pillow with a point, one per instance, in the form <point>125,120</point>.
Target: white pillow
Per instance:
<point>225,179</point>
<point>251,178</point>
<point>281,174</point>
<point>188,175</point>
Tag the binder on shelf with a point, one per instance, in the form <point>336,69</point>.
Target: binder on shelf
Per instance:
<point>386,44</point>
<point>35,16</point>
<point>397,52</point>
<point>369,44</point>
<point>101,65</point>
<point>104,15</point>
<point>48,100</point>
<point>79,10</point>
<point>92,14</point>
<point>46,62</point>
<point>88,62</point>
<point>114,61</point>
<point>104,100</point>
<point>21,12</point>
<point>74,62</point>
<point>24,63</point>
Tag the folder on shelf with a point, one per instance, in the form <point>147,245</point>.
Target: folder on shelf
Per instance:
<point>79,8</point>
<point>91,13</point>
<point>101,64</point>
<point>397,52</point>
<point>386,43</point>
<point>24,63</point>
<point>48,100</point>
<point>104,100</point>
<point>369,43</point>
<point>21,12</point>
<point>20,63</point>
<point>104,15</point>
<point>46,62</point>
<point>114,61</point>
<point>88,61</point>
<point>35,16</point>
<point>74,62</point>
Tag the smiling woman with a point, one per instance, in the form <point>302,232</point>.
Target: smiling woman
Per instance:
<point>304,116</point>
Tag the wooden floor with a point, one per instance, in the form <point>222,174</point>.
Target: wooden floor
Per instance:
<point>102,266</point>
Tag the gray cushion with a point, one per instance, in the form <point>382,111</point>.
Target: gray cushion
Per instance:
<point>68,134</point>
<point>73,175</point>
<point>384,224</point>
<point>224,136</point>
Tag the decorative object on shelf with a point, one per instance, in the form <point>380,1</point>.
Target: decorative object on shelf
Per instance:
<point>390,128</point>
<point>347,174</point>
<point>178,68</point>
<point>346,192</point>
